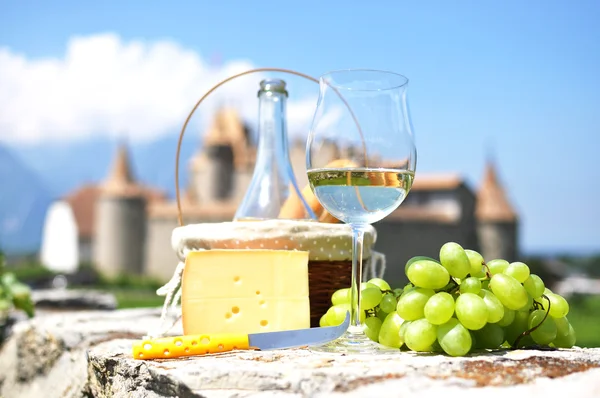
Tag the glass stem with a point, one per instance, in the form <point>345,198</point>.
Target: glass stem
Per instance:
<point>358,233</point>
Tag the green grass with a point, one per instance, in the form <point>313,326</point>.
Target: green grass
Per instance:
<point>584,315</point>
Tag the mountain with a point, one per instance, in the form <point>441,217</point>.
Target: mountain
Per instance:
<point>23,203</point>
<point>65,166</point>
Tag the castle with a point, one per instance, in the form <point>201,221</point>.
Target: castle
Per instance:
<point>123,227</point>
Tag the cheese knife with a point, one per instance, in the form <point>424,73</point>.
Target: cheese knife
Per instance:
<point>193,345</point>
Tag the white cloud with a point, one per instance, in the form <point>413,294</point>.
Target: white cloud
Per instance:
<point>105,86</point>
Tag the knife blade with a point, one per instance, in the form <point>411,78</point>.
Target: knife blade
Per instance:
<point>192,345</point>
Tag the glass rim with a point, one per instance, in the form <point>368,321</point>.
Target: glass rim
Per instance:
<point>403,80</point>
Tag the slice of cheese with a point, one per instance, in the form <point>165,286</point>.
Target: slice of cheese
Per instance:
<point>245,291</point>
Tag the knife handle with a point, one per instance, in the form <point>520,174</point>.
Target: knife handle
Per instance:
<point>183,346</point>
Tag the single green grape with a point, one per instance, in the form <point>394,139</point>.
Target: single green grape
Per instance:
<point>439,308</point>
<point>412,304</point>
<point>545,333</point>
<point>518,270</point>
<point>559,307</point>
<point>470,285</point>
<point>370,298</point>
<point>455,260</point>
<point>389,332</point>
<point>510,292</point>
<point>494,306</point>
<point>562,326</point>
<point>471,311</point>
<point>341,296</point>
<point>337,314</point>
<point>402,331</point>
<point>490,336</point>
<point>534,286</point>
<point>380,283</point>
<point>366,285</point>
<point>454,338</point>
<point>517,327</point>
<point>428,274</point>
<point>567,340</point>
<point>372,328</point>
<point>507,318</point>
<point>497,266</point>
<point>476,262</point>
<point>388,303</point>
<point>417,258</point>
<point>323,321</point>
<point>420,335</point>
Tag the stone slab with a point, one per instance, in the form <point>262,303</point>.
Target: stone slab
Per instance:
<point>88,354</point>
<point>304,373</point>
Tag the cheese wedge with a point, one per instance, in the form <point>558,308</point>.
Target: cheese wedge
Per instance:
<point>245,291</point>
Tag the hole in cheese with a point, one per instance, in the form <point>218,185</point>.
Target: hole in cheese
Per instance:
<point>178,342</point>
<point>228,315</point>
<point>257,292</point>
<point>205,340</point>
<point>262,303</point>
<point>236,279</point>
<point>235,310</point>
<point>147,346</point>
<point>166,352</point>
<point>194,342</point>
<point>141,355</point>
<point>264,323</point>
<point>220,346</point>
<point>187,349</point>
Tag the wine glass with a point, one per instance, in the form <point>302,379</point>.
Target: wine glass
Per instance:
<point>360,159</point>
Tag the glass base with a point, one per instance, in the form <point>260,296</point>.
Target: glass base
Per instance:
<point>355,343</point>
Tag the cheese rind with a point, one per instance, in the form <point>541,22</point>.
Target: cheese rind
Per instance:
<point>245,291</point>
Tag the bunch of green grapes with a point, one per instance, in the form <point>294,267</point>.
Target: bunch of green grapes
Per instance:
<point>459,304</point>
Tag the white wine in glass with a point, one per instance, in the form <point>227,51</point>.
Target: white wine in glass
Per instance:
<point>361,158</point>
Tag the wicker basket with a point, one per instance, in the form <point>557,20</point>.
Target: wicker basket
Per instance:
<point>324,278</point>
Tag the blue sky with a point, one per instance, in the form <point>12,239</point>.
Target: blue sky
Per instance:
<point>521,78</point>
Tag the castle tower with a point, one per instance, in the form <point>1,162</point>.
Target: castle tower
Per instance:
<point>496,219</point>
<point>120,228</point>
<point>224,167</point>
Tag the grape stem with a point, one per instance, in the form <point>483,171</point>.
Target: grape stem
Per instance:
<point>525,333</point>
<point>487,270</point>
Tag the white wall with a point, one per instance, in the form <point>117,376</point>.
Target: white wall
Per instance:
<point>60,243</point>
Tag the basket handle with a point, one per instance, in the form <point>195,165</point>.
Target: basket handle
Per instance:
<point>189,117</point>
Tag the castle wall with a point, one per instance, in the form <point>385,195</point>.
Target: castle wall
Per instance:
<point>498,240</point>
<point>400,241</point>
<point>120,235</point>
<point>160,256</point>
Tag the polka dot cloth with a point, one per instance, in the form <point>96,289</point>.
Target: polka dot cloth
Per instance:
<point>323,241</point>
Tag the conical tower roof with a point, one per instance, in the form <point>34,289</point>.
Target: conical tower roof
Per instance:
<point>228,129</point>
<point>492,201</point>
<point>120,180</point>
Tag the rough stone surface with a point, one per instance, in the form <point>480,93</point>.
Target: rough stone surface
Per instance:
<point>47,356</point>
<point>88,354</point>
<point>74,299</point>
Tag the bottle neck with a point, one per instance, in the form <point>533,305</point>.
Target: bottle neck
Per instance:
<point>272,139</point>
